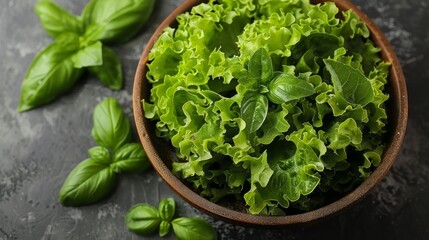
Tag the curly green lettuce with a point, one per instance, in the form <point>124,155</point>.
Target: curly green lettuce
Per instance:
<point>307,151</point>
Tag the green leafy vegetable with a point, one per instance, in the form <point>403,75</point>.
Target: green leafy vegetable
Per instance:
<point>130,158</point>
<point>285,111</point>
<point>79,45</point>
<point>286,88</point>
<point>350,83</point>
<point>112,128</point>
<point>110,72</point>
<point>260,65</point>
<point>100,154</point>
<point>112,21</point>
<point>164,228</point>
<point>89,182</point>
<point>143,219</point>
<point>51,74</point>
<point>94,178</point>
<point>89,56</point>
<point>166,208</point>
<point>254,109</point>
<point>55,20</point>
<point>193,228</point>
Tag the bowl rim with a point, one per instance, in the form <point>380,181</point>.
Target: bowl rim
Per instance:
<point>400,107</point>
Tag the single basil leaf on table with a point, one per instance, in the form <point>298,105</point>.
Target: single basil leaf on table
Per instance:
<point>112,128</point>
<point>51,74</point>
<point>130,158</point>
<point>100,154</point>
<point>55,20</point>
<point>350,83</point>
<point>143,219</point>
<point>254,109</point>
<point>193,228</point>
<point>91,55</point>
<point>164,228</point>
<point>110,72</point>
<point>287,87</point>
<point>112,21</point>
<point>88,183</point>
<point>166,209</point>
<point>260,65</point>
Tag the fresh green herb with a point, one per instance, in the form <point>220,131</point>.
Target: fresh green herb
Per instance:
<point>285,112</point>
<point>144,219</point>
<point>193,228</point>
<point>254,109</point>
<point>89,182</point>
<point>350,83</point>
<point>96,177</point>
<point>166,208</point>
<point>112,129</point>
<point>51,74</point>
<point>112,21</point>
<point>56,20</point>
<point>110,72</point>
<point>164,228</point>
<point>287,87</point>
<point>260,66</point>
<point>128,159</point>
<point>79,46</point>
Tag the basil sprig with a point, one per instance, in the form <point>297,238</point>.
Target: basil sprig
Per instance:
<point>96,177</point>
<point>79,46</point>
<point>144,219</point>
<point>264,84</point>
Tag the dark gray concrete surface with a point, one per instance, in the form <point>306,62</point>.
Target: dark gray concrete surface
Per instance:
<point>39,148</point>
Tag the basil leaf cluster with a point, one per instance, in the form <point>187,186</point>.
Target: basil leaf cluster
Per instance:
<point>79,47</point>
<point>280,104</point>
<point>96,177</point>
<point>144,219</point>
<point>264,84</point>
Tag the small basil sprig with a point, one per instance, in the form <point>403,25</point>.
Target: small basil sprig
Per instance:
<point>144,219</point>
<point>264,84</point>
<point>56,69</point>
<point>96,177</point>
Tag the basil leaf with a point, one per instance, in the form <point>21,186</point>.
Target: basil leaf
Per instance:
<point>143,219</point>
<point>110,72</point>
<point>193,228</point>
<point>111,126</point>
<point>89,182</point>
<point>350,83</point>
<point>287,87</point>
<point>100,154</point>
<point>55,20</point>
<point>260,65</point>
<point>113,21</point>
<point>249,83</point>
<point>164,228</point>
<point>166,209</point>
<point>51,74</point>
<point>91,55</point>
<point>130,158</point>
<point>254,109</point>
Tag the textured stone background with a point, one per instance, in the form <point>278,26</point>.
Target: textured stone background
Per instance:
<point>39,148</point>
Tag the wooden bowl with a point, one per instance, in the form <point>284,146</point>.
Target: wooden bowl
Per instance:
<point>161,154</point>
